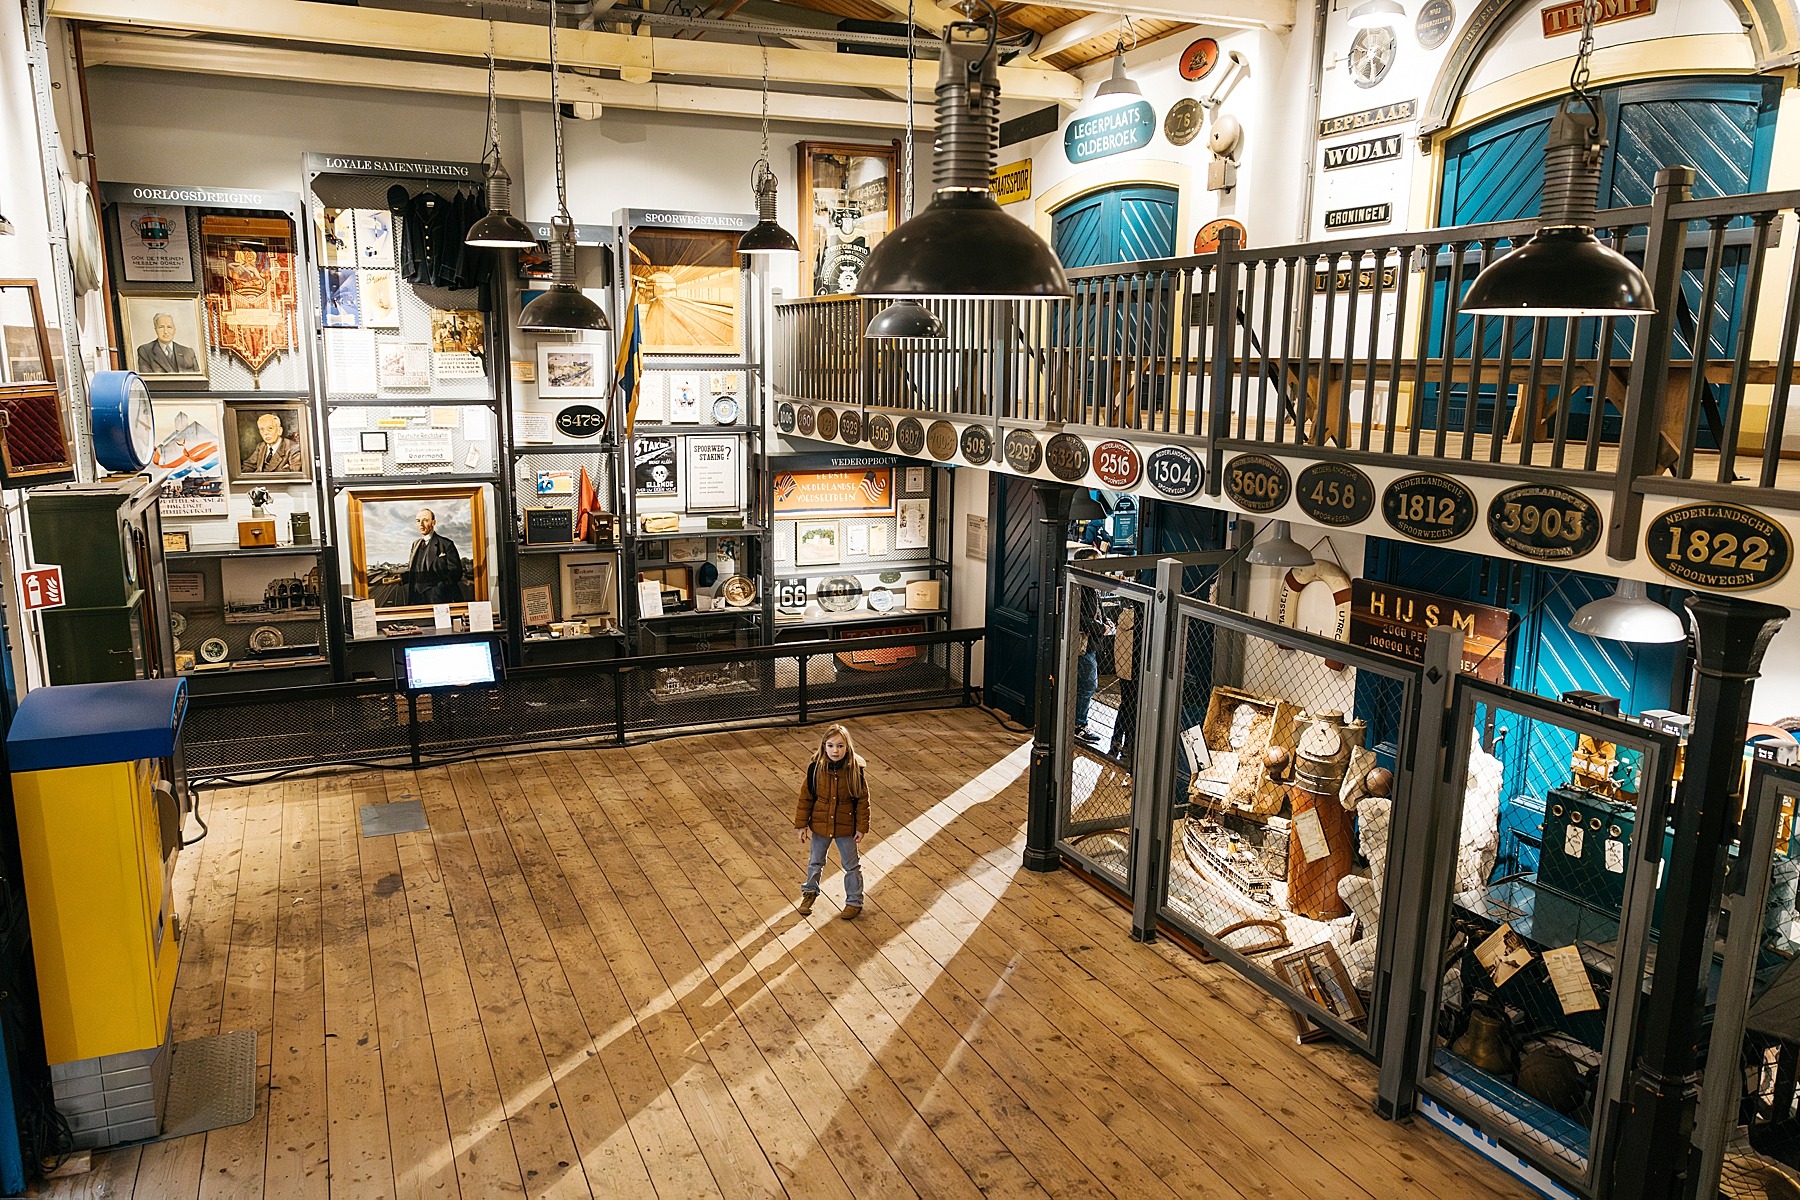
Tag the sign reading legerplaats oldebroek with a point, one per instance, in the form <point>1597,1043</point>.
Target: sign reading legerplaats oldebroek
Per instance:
<point>1112,132</point>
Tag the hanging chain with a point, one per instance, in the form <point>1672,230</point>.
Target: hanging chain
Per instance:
<point>765,103</point>
<point>906,176</point>
<point>562,194</point>
<point>1578,77</point>
<point>493,142</point>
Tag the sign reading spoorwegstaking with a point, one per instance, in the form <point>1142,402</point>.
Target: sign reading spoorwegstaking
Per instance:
<point>1113,132</point>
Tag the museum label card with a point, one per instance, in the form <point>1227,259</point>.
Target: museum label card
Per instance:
<point>362,619</point>
<point>481,616</point>
<point>1568,975</point>
<point>1311,832</point>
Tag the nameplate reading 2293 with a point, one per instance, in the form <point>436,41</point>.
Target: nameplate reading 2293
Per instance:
<point>1257,483</point>
<point>1720,547</point>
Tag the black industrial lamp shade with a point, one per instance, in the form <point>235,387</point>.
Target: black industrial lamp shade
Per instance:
<point>963,244</point>
<point>905,319</point>
<point>562,309</point>
<point>1085,508</point>
<point>1564,270</point>
<point>499,229</point>
<point>766,236</point>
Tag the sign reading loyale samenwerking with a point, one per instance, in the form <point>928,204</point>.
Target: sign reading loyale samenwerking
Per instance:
<point>1369,118</point>
<point>1362,214</point>
<point>1113,132</point>
<point>1354,154</point>
<point>1564,18</point>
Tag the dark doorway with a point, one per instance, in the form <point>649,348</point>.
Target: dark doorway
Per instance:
<point>1013,598</point>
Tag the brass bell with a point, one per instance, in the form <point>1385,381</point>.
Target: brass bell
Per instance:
<point>1484,1045</point>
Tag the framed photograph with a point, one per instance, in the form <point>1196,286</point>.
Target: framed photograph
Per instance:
<point>815,543</point>
<point>570,370</point>
<point>269,443</point>
<point>402,366</point>
<point>340,298</point>
<point>912,527</point>
<point>165,337</point>
<point>915,481</point>
<point>847,196</point>
<point>176,541</point>
<point>154,243</point>
<point>1318,974</point>
<point>654,471</point>
<point>457,331</point>
<point>689,286</point>
<point>334,234</point>
<point>373,441</point>
<point>590,586</point>
<point>413,548</point>
<point>191,453</point>
<point>374,237</point>
<point>715,474</point>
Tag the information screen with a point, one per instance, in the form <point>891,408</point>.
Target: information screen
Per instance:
<point>455,664</point>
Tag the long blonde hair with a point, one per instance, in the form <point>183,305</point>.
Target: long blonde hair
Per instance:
<point>822,761</point>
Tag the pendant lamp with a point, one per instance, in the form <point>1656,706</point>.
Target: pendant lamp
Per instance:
<point>1564,270</point>
<point>1280,550</point>
<point>1121,84</point>
<point>562,308</point>
<point>1377,14</point>
<point>498,229</point>
<point>766,236</point>
<point>1629,615</point>
<point>906,318</point>
<point>963,244</point>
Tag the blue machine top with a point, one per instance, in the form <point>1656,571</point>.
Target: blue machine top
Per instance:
<point>81,724</point>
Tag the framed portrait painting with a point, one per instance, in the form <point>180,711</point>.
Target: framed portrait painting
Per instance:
<point>165,337</point>
<point>269,443</point>
<point>847,197</point>
<point>413,548</point>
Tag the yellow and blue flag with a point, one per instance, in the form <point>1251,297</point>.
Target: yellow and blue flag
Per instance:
<point>628,371</point>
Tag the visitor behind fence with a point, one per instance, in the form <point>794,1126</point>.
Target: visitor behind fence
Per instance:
<point>1087,664</point>
<point>834,807</point>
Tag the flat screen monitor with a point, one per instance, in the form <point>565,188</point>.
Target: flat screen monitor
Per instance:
<point>449,664</point>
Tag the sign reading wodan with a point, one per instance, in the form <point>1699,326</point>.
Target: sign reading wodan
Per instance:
<point>1720,547</point>
<point>1395,621</point>
<point>1114,132</point>
<point>1355,154</point>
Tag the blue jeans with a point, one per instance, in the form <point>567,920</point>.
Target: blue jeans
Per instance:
<point>1087,682</point>
<point>815,867</point>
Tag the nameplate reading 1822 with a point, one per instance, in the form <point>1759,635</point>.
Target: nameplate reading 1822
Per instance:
<point>1067,457</point>
<point>1335,494</point>
<point>1024,453</point>
<point>1429,507</point>
<point>1720,547</point>
<point>1257,483</point>
<point>1550,524</point>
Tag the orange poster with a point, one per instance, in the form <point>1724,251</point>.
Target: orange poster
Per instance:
<point>855,493</point>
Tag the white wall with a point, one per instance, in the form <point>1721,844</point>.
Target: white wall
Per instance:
<point>968,574</point>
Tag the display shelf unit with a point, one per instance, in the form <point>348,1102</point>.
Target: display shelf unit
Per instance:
<point>229,265</point>
<point>409,399</point>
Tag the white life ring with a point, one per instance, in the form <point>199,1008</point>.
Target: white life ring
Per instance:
<point>1316,599</point>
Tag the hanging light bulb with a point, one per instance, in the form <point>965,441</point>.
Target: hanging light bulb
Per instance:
<point>906,318</point>
<point>562,308</point>
<point>766,236</point>
<point>498,229</point>
<point>1629,615</point>
<point>963,244</point>
<point>1564,271</point>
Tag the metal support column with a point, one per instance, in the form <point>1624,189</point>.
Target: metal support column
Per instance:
<point>1652,1159</point>
<point>1152,791</point>
<point>1040,802</point>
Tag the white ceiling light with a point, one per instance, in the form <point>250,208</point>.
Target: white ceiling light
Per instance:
<point>1377,14</point>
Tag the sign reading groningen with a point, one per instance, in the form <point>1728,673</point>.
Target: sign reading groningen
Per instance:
<point>1112,132</point>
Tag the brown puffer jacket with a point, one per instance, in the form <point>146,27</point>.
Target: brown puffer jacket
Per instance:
<point>834,801</point>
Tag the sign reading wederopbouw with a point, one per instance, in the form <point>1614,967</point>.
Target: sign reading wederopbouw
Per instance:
<point>1395,620</point>
<point>1111,132</point>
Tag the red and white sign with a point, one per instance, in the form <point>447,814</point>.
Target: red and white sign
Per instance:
<point>42,587</point>
<point>1117,464</point>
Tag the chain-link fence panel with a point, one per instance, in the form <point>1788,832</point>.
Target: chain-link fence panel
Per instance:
<point>1540,919</point>
<point>1287,750</point>
<point>1108,632</point>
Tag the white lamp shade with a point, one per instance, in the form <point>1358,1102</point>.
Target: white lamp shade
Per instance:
<point>1629,615</point>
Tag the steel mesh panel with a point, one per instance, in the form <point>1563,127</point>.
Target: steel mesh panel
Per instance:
<point>226,735</point>
<point>1283,812</point>
<point>1096,805</point>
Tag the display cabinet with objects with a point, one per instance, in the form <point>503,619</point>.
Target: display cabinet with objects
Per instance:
<point>212,288</point>
<point>564,455</point>
<point>413,428</point>
<point>695,531</point>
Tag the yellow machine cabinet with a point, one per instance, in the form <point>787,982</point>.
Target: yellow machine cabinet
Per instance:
<point>99,830</point>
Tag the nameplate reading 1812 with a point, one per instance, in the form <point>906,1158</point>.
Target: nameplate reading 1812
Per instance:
<point>1429,507</point>
<point>1335,494</point>
<point>1721,547</point>
<point>1546,523</point>
<point>1257,483</point>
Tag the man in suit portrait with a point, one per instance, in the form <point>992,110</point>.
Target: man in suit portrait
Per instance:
<point>434,570</point>
<point>276,451</point>
<point>165,355</point>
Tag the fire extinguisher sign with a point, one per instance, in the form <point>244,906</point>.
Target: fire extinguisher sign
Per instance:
<point>42,587</point>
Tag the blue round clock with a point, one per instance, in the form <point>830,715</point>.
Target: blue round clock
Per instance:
<point>124,424</point>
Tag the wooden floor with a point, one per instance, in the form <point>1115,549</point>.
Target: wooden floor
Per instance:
<point>588,979</point>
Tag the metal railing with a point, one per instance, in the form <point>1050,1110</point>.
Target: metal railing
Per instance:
<point>1357,349</point>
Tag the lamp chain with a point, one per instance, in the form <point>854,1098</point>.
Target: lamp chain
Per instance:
<point>765,103</point>
<point>906,176</point>
<point>493,137</point>
<point>1578,77</point>
<point>562,192</point>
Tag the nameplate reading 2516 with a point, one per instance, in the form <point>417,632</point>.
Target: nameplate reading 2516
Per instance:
<point>1550,524</point>
<point>1720,547</point>
<point>1429,507</point>
<point>1257,483</point>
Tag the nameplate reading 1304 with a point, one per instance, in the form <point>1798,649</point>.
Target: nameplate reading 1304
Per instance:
<point>1721,547</point>
<point>1429,507</point>
<point>1257,483</point>
<point>1550,524</point>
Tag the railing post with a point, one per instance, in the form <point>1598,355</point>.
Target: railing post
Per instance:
<point>619,705</point>
<point>803,660</point>
<point>1664,242</point>
<point>865,359</point>
<point>1224,335</point>
<point>1041,789</point>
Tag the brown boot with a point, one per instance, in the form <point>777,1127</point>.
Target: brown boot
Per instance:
<point>806,902</point>
<point>851,912</point>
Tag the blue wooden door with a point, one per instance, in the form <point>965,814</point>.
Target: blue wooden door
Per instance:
<point>1122,224</point>
<point>1723,128</point>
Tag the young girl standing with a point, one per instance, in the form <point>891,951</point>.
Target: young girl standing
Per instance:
<point>834,807</point>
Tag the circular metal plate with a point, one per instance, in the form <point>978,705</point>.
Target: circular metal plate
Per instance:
<point>1182,121</point>
<point>1257,483</point>
<point>840,593</point>
<point>1335,494</point>
<point>881,432</point>
<point>940,439</point>
<point>1118,465</point>
<point>804,420</point>
<point>1024,453</point>
<point>266,637</point>
<point>828,424</point>
<point>1198,59</point>
<point>739,592</point>
<point>784,418</point>
<point>1550,524</point>
<point>214,650</point>
<point>1429,507</point>
<point>910,437</point>
<point>977,444</point>
<point>1067,457</point>
<point>1175,472</point>
<point>850,426</point>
